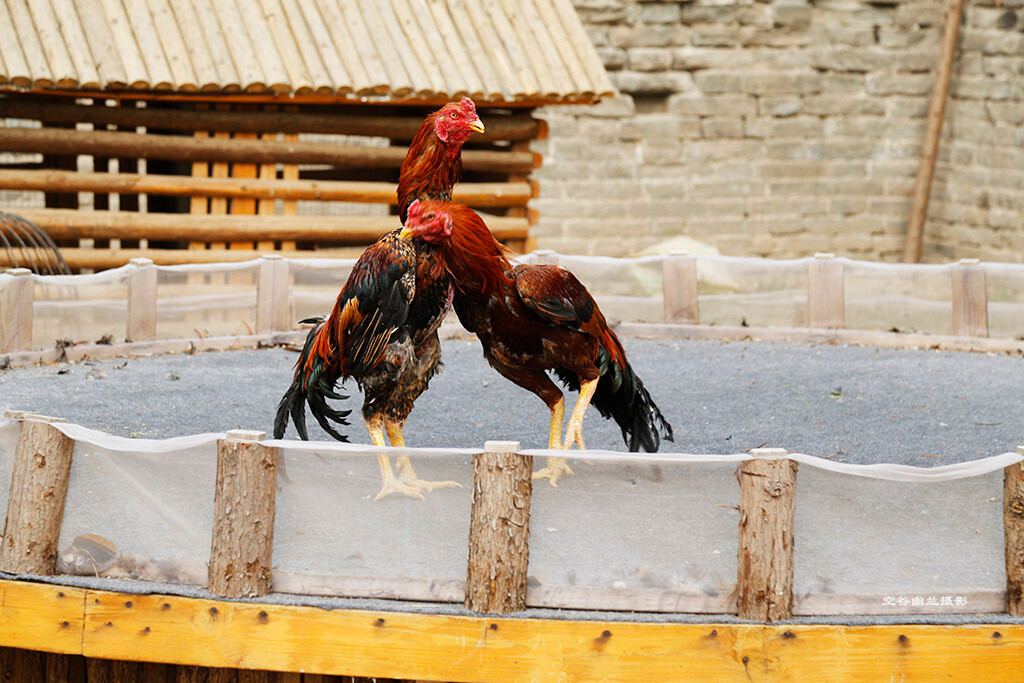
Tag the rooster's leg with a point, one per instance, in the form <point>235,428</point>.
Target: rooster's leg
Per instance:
<point>556,467</point>
<point>390,483</point>
<point>405,471</point>
<point>574,431</point>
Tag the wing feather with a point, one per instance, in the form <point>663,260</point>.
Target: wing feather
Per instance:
<point>555,295</point>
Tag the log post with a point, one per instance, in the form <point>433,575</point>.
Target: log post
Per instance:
<point>546,257</point>
<point>16,311</point>
<point>1013,534</point>
<point>679,278</point>
<point>272,295</point>
<point>243,518</point>
<point>39,487</point>
<point>764,583</point>
<point>826,303</point>
<point>970,299</point>
<point>141,300</point>
<point>499,529</point>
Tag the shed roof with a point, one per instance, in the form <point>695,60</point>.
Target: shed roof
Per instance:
<point>492,50</point>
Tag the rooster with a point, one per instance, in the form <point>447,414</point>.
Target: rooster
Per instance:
<point>536,319</point>
<point>382,331</point>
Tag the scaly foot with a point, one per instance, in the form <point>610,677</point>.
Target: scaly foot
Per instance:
<point>554,471</point>
<point>393,485</point>
<point>408,477</point>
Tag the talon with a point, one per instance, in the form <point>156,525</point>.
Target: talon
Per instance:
<point>554,471</point>
<point>428,486</point>
<point>395,486</point>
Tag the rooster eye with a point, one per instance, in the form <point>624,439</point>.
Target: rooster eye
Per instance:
<point>430,217</point>
<point>454,115</point>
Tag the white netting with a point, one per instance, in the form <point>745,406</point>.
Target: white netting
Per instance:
<point>636,536</point>
<point>204,300</point>
<point>877,547</point>
<point>156,508</point>
<point>751,291</point>
<point>909,298</point>
<point>331,537</point>
<point>314,285</point>
<point>1004,283</point>
<point>80,308</point>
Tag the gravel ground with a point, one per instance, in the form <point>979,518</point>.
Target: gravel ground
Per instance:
<point>853,404</point>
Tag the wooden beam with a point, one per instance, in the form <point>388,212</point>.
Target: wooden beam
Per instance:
<point>499,529</point>
<point>826,303</point>
<point>203,632</point>
<point>141,300</point>
<point>102,259</point>
<point>472,194</point>
<point>57,141</point>
<point>929,150</point>
<point>764,582</point>
<point>243,521</point>
<point>339,120</point>
<point>70,224</point>
<point>679,287</point>
<point>970,299</point>
<point>35,508</point>
<point>1013,532</point>
<point>16,307</point>
<point>272,295</point>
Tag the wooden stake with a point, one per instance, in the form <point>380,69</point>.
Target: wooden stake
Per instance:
<point>243,522</point>
<point>546,257</point>
<point>679,278</point>
<point>272,295</point>
<point>765,570</point>
<point>16,311</point>
<point>970,299</point>
<point>936,110</point>
<point>499,529</point>
<point>1013,533</point>
<point>826,303</point>
<point>39,487</point>
<point>142,300</point>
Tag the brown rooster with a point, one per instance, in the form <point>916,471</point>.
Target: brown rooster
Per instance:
<point>382,331</point>
<point>535,319</point>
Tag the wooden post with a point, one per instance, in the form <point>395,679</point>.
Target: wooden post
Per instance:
<point>16,311</point>
<point>499,529</point>
<point>1013,533</point>
<point>936,110</point>
<point>970,299</point>
<point>764,583</point>
<point>679,283</point>
<point>272,295</point>
<point>39,487</point>
<point>142,300</point>
<point>243,521</point>
<point>826,303</point>
<point>546,257</point>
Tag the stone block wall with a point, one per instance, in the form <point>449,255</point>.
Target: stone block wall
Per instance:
<point>787,127</point>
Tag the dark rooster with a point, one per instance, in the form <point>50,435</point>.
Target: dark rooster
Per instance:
<point>535,319</point>
<point>382,331</point>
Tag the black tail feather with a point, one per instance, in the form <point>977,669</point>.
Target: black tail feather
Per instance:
<point>622,396</point>
<point>313,387</point>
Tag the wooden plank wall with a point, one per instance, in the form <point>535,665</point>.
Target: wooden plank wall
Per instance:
<point>253,149</point>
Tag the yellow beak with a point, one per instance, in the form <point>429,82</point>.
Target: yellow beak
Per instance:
<point>477,125</point>
<point>406,233</point>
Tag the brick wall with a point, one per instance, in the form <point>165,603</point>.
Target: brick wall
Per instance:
<point>787,127</point>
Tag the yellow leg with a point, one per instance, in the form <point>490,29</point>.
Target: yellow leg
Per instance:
<point>574,432</point>
<point>405,470</point>
<point>556,467</point>
<point>389,482</point>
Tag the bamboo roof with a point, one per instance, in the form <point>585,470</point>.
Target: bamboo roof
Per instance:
<point>491,50</point>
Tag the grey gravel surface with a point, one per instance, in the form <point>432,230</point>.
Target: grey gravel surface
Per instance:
<point>853,404</point>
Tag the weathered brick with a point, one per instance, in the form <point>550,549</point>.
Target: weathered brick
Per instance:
<point>797,126</point>
<point>645,35</point>
<point>714,81</point>
<point>887,83</point>
<point>828,105</point>
<point>889,36</point>
<point>613,58</point>
<point>722,127</point>
<point>779,105</point>
<point>650,58</point>
<point>599,130</point>
<point>711,58</point>
<point>843,58</point>
<point>652,83</point>
<point>660,126</point>
<point>801,83</point>
<point>659,13</point>
<point>695,104</point>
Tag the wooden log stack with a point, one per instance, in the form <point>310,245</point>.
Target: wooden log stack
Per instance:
<point>224,159</point>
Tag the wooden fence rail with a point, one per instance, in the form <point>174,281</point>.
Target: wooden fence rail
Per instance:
<point>498,542</point>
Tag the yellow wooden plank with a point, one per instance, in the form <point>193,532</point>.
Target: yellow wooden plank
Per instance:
<point>41,617</point>
<point>435,647</point>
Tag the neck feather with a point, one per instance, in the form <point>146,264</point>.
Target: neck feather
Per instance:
<point>431,168</point>
<point>477,261</point>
